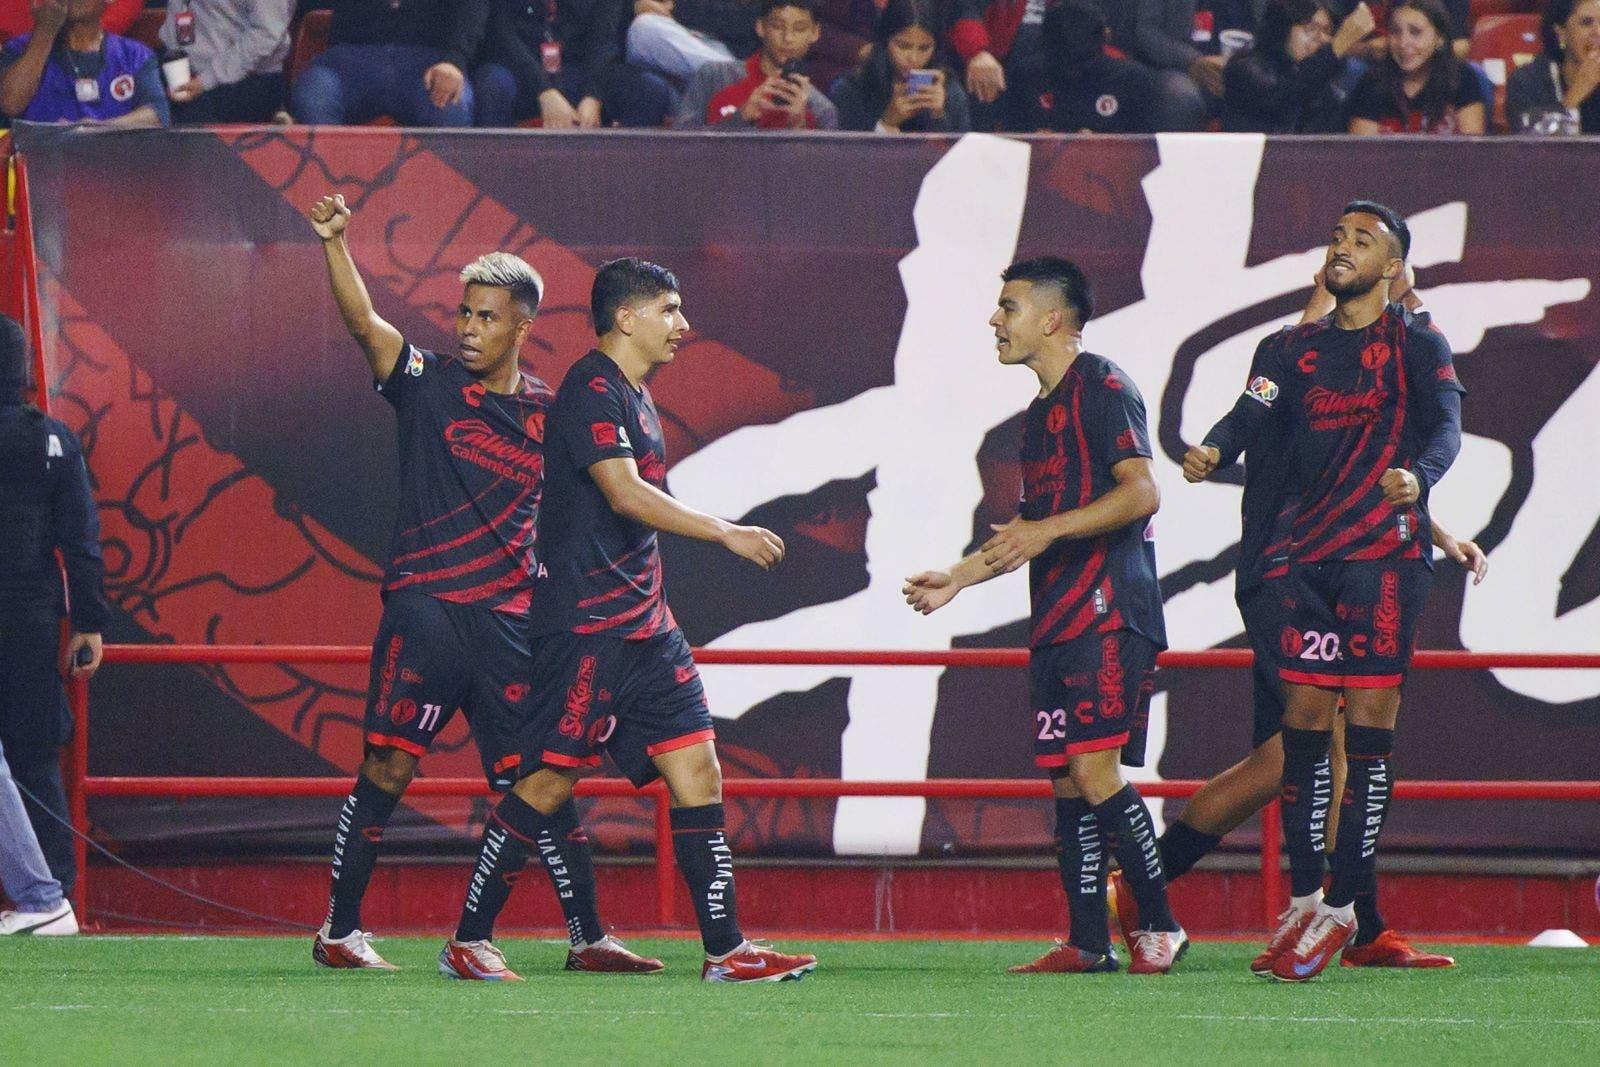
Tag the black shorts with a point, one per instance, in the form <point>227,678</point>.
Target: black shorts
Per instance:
<point>632,699</point>
<point>1091,694</point>
<point>433,657</point>
<point>1261,607</point>
<point>1351,623</point>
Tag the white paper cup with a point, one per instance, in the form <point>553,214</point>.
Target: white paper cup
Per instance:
<point>176,71</point>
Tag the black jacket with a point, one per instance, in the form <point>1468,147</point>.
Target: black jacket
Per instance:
<point>46,504</point>
<point>1273,94</point>
<point>589,32</point>
<point>454,26</point>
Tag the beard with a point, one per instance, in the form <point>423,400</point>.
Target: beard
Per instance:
<point>1355,285</point>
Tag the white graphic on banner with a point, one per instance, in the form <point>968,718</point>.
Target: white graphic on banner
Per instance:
<point>921,436</point>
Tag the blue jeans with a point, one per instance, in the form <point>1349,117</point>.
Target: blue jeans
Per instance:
<point>628,96</point>
<point>352,83</point>
<point>24,875</point>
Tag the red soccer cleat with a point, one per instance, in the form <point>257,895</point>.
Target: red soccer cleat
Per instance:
<point>1326,935</point>
<point>610,956</point>
<point>476,961</point>
<point>756,962</point>
<point>1068,959</point>
<point>1389,949</point>
<point>350,952</point>
<point>1155,951</point>
<point>1124,908</point>
<point>1291,924</point>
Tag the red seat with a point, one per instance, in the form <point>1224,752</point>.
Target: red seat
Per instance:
<point>310,41</point>
<point>1501,44</point>
<point>146,28</point>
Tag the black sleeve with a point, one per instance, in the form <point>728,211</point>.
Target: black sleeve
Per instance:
<point>1120,431</point>
<point>1368,100</point>
<point>507,46</point>
<point>846,94</point>
<point>465,33</point>
<point>593,424</point>
<point>1436,391</point>
<point>1256,405</point>
<point>406,378</point>
<point>76,532</point>
<point>600,43</point>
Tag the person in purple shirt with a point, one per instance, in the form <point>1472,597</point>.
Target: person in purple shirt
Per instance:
<point>70,70</point>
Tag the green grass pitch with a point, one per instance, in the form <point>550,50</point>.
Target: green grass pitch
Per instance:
<point>261,1000</point>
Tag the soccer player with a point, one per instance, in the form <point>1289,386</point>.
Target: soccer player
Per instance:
<point>1087,495</point>
<point>456,590</point>
<point>611,670</point>
<point>1231,797</point>
<point>1368,402</point>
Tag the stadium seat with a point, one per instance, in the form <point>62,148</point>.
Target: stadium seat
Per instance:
<point>146,29</point>
<point>310,41</point>
<point>1501,44</point>
<point>1481,9</point>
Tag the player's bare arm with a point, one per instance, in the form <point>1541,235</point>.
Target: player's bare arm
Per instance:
<point>929,591</point>
<point>1135,496</point>
<point>381,342</point>
<point>1466,553</point>
<point>632,497</point>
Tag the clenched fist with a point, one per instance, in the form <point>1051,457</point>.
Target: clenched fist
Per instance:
<point>1199,462</point>
<point>329,217</point>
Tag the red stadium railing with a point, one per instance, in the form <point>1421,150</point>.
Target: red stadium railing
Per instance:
<point>83,785</point>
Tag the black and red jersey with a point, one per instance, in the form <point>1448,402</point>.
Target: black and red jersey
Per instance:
<point>471,477</point>
<point>1071,439</point>
<point>1356,403</point>
<point>603,571</point>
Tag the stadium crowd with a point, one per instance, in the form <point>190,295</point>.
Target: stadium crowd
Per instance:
<point>883,66</point>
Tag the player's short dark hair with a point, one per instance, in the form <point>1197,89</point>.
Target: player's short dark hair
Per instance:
<point>1390,218</point>
<point>810,7</point>
<point>1063,274</point>
<point>621,281</point>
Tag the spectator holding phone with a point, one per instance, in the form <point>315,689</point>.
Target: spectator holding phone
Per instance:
<point>901,87</point>
<point>235,51</point>
<point>767,91</point>
<point>69,69</point>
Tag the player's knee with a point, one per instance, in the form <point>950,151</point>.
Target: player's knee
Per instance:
<point>695,778</point>
<point>1095,777</point>
<point>389,769</point>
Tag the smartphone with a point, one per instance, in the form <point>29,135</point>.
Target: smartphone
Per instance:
<point>83,657</point>
<point>918,80</point>
<point>790,71</point>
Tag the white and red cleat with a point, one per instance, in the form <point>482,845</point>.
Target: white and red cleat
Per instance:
<point>756,962</point>
<point>1068,959</point>
<point>476,961</point>
<point>1155,951</point>
<point>610,956</point>
<point>350,952</point>
<point>59,921</point>
<point>1330,930</point>
<point>1292,922</point>
<point>1389,949</point>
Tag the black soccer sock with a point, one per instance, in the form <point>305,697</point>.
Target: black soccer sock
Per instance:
<point>1367,792</point>
<point>569,862</point>
<point>511,835</point>
<point>1125,824</point>
<point>1307,789</point>
<point>1369,921</point>
<point>355,852</point>
<point>700,843</point>
<point>1080,856</point>
<point>1182,846</point>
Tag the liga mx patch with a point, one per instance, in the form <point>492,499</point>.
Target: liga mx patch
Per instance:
<point>414,364</point>
<point>1262,389</point>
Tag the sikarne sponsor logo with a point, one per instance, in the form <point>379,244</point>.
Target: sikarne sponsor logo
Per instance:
<point>1386,616</point>
<point>580,697</point>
